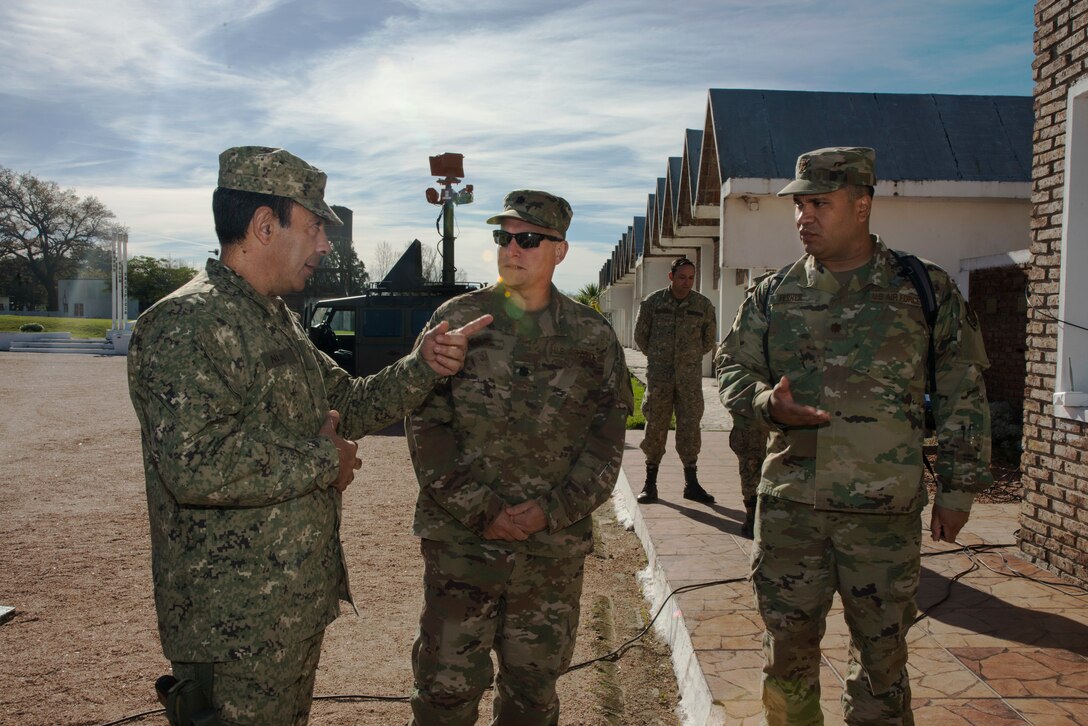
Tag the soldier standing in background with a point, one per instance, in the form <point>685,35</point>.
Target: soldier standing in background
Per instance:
<point>748,440</point>
<point>248,444</point>
<point>512,456</point>
<point>675,328</point>
<point>837,371</point>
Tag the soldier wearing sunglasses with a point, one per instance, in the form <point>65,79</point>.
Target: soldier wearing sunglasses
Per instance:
<point>513,454</point>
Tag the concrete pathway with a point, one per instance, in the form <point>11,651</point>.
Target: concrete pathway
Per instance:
<point>1001,649</point>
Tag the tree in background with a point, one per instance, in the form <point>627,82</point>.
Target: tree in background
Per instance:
<point>150,279</point>
<point>341,273</point>
<point>590,295</point>
<point>22,290</point>
<point>50,229</point>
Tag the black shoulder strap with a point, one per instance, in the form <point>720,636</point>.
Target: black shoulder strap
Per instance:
<point>915,270</point>
<point>772,285</point>
<point>911,268</point>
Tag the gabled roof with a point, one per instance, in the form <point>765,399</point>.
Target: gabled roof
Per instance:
<point>651,222</point>
<point>917,137</point>
<point>659,213</point>
<point>693,149</point>
<point>676,164</point>
<point>639,232</point>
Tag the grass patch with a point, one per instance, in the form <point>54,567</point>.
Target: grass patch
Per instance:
<point>636,420</point>
<point>78,327</point>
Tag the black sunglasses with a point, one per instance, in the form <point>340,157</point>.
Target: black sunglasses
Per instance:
<point>525,240</point>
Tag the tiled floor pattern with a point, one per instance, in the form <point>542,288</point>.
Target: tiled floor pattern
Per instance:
<point>1000,650</point>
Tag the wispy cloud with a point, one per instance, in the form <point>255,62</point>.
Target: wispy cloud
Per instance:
<point>133,100</point>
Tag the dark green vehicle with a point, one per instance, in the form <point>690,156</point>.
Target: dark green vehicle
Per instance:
<point>365,333</point>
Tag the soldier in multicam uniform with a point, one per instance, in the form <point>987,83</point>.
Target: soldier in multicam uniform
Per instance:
<point>675,328</point>
<point>842,489</point>
<point>512,456</point>
<point>247,434</point>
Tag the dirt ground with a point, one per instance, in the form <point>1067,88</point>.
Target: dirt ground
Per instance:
<point>82,646</point>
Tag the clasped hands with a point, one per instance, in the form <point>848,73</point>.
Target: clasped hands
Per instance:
<point>518,522</point>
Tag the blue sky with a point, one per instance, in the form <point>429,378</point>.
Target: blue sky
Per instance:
<point>132,101</point>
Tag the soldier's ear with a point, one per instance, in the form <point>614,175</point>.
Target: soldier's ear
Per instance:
<point>864,207</point>
<point>561,251</point>
<point>262,224</point>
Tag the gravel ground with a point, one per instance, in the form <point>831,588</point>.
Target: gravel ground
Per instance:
<point>82,647</point>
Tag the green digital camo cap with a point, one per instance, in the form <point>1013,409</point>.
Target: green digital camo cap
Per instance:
<point>539,208</point>
<point>825,170</point>
<point>265,170</point>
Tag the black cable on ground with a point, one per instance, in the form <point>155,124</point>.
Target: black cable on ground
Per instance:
<point>619,651</point>
<point>971,551</point>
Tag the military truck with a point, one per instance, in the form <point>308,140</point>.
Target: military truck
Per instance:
<point>365,333</point>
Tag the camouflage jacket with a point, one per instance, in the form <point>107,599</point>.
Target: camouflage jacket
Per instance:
<point>539,411</point>
<point>675,334</point>
<point>860,354</point>
<point>230,395</point>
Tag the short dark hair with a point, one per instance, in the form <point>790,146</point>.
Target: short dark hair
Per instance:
<point>857,191</point>
<point>233,210</point>
<point>680,262</point>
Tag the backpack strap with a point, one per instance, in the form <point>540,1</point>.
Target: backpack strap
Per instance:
<point>915,270</point>
<point>911,268</point>
<point>772,285</point>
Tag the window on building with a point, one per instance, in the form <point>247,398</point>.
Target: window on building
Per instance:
<point>1071,383</point>
<point>79,310</point>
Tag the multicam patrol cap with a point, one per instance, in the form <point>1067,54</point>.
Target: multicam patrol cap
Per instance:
<point>825,170</point>
<point>539,208</point>
<point>265,170</point>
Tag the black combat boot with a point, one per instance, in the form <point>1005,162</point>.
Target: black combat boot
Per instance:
<point>748,529</point>
<point>693,490</point>
<point>648,495</point>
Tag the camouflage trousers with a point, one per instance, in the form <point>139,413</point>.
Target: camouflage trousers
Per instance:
<point>270,689</point>
<point>662,398</point>
<point>749,443</point>
<point>479,598</point>
<point>801,558</point>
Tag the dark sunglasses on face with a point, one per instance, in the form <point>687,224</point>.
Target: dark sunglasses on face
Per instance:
<point>525,240</point>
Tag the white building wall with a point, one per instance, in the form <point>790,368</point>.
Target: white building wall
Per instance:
<point>94,296</point>
<point>945,230</point>
<point>949,223</point>
<point>758,232</point>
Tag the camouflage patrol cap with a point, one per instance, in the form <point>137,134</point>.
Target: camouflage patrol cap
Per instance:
<point>265,170</point>
<point>539,208</point>
<point>825,170</point>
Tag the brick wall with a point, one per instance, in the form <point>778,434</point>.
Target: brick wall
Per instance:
<point>1054,513</point>
<point>998,298</point>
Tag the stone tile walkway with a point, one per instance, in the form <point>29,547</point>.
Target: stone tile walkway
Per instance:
<point>1001,649</point>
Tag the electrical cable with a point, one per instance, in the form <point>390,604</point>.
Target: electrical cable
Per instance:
<point>135,717</point>
<point>1055,318</point>
<point>623,648</point>
<point>971,551</point>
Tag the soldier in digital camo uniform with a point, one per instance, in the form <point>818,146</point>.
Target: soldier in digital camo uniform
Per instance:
<point>247,434</point>
<point>748,440</point>
<point>842,488</point>
<point>512,456</point>
<point>675,327</point>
